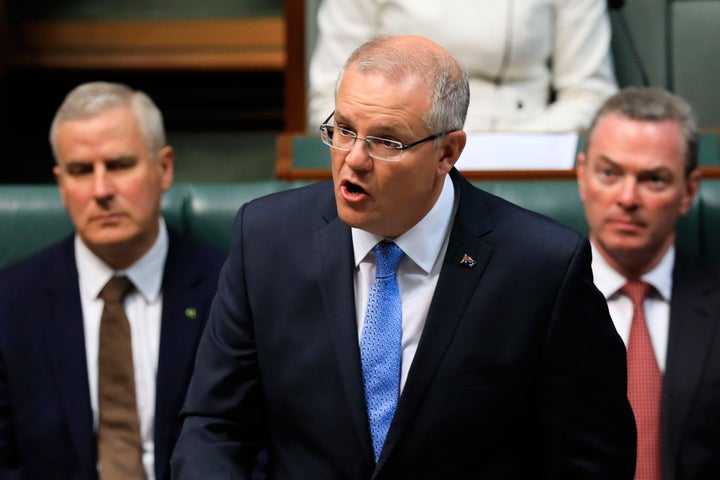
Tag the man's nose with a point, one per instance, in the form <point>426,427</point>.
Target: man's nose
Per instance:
<point>103,186</point>
<point>358,157</point>
<point>629,196</point>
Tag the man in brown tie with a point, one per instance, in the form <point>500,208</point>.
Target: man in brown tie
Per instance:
<point>637,177</point>
<point>98,332</point>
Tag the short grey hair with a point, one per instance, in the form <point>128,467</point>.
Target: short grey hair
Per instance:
<point>653,105</point>
<point>451,91</point>
<point>91,98</point>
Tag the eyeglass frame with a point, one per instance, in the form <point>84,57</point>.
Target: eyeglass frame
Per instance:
<point>401,147</point>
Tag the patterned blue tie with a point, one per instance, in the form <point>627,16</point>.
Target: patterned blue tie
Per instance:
<point>380,344</point>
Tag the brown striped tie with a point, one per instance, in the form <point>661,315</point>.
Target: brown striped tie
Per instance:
<point>119,442</point>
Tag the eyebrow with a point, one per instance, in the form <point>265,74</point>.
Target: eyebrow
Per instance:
<point>642,171</point>
<point>378,130</point>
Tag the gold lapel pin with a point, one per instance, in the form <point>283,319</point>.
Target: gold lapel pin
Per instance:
<point>468,261</point>
<point>191,313</point>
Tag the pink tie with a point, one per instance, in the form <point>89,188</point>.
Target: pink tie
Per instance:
<point>644,386</point>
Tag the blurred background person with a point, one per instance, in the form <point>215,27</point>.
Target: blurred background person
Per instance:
<point>637,177</point>
<point>534,65</point>
<point>98,332</point>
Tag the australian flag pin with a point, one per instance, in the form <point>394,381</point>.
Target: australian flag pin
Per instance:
<point>468,261</point>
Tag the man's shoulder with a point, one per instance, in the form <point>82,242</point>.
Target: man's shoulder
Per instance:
<point>186,249</point>
<point>505,214</point>
<point>46,261</point>
<point>23,279</point>
<point>693,267</point>
<point>300,197</point>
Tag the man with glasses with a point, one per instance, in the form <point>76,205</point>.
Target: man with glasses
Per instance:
<point>399,323</point>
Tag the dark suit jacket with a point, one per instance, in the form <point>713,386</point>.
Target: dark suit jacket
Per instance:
<point>46,426</point>
<point>519,373</point>
<point>691,384</point>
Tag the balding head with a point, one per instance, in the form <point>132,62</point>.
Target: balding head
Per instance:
<point>411,56</point>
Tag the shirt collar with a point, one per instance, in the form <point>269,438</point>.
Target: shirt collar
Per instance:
<point>422,243</point>
<point>609,281</point>
<point>146,274</point>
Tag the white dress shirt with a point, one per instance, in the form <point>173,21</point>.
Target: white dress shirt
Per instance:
<point>657,305</point>
<point>424,246</point>
<point>143,307</point>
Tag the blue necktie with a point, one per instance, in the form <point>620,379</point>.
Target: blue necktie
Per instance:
<point>380,344</point>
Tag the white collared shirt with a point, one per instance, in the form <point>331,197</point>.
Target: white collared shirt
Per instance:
<point>143,307</point>
<point>424,246</point>
<point>657,307</point>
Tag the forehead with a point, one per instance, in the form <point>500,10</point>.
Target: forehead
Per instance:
<point>650,143</point>
<point>371,95</point>
<point>106,129</point>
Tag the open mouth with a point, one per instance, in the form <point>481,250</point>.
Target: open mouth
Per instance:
<point>353,188</point>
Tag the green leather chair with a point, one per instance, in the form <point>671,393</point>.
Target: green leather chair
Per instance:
<point>32,216</point>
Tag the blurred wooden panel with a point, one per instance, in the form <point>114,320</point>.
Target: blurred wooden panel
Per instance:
<point>238,44</point>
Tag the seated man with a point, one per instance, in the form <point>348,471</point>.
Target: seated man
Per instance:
<point>637,176</point>
<point>98,332</point>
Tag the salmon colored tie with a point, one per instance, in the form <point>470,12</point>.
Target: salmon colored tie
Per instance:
<point>119,442</point>
<point>644,386</point>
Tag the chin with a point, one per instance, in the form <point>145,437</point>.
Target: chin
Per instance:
<point>108,237</point>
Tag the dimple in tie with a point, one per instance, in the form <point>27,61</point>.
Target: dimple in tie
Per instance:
<point>380,344</point>
<point>119,441</point>
<point>644,386</point>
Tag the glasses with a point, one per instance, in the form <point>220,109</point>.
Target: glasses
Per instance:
<point>380,148</point>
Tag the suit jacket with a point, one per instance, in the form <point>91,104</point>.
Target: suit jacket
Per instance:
<point>691,385</point>
<point>518,374</point>
<point>46,422</point>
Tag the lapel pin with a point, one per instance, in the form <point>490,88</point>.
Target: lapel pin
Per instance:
<point>191,313</point>
<point>468,261</point>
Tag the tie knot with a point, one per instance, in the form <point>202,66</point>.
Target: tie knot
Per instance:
<point>387,259</point>
<point>116,289</point>
<point>636,290</point>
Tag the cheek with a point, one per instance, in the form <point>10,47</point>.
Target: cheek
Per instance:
<point>142,197</point>
<point>77,200</point>
<point>597,206</point>
<point>408,189</point>
<point>599,196</point>
<point>666,211</point>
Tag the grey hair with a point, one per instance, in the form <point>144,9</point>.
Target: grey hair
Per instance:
<point>91,98</point>
<point>451,91</point>
<point>654,105</point>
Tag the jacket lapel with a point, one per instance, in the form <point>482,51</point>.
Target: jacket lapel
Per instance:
<point>65,339</point>
<point>184,307</point>
<point>692,323</point>
<point>456,285</point>
<point>334,256</point>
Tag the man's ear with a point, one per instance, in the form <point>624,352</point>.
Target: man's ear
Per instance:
<point>691,188</point>
<point>452,147</point>
<point>581,172</point>
<point>166,162</point>
<point>58,173</point>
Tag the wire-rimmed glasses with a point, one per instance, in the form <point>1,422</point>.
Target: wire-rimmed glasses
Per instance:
<point>342,138</point>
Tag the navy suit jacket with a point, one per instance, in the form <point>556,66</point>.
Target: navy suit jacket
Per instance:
<point>518,374</point>
<point>691,384</point>
<point>46,425</point>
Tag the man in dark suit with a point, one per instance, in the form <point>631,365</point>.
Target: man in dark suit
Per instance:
<point>112,167</point>
<point>506,366</point>
<point>637,177</point>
